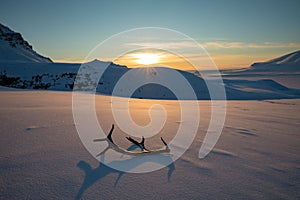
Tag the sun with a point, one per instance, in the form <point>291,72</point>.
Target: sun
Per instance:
<point>146,58</point>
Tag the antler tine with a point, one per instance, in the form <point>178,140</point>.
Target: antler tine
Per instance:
<point>110,133</point>
<point>133,141</point>
<point>164,142</point>
<point>100,140</point>
<point>141,145</point>
<point>143,140</point>
<point>108,137</point>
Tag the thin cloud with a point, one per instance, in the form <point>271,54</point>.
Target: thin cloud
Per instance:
<point>243,45</point>
<point>164,45</point>
<point>69,61</point>
<point>214,45</point>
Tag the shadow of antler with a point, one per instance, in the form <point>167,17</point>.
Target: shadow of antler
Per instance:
<point>93,175</point>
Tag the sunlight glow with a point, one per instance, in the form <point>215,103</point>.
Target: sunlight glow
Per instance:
<point>146,58</point>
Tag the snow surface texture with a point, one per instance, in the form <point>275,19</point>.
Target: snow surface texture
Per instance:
<point>13,48</point>
<point>41,157</point>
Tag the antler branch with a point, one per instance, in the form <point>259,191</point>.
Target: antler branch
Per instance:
<point>141,145</point>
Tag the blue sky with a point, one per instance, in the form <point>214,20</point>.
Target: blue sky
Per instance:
<point>234,32</point>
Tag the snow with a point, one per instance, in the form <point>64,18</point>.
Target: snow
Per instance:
<point>238,85</point>
<point>291,58</point>
<point>284,70</point>
<point>13,48</point>
<point>288,64</point>
<point>42,157</point>
<point>257,156</point>
<point>276,79</point>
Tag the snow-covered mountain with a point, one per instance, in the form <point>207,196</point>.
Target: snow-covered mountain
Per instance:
<point>61,76</point>
<point>288,59</point>
<point>13,48</point>
<point>287,63</point>
<point>21,67</point>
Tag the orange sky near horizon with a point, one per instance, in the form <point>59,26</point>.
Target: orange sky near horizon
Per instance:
<point>222,61</point>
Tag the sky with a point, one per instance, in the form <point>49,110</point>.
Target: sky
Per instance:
<point>235,33</point>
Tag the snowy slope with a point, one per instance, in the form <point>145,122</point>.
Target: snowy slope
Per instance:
<point>284,70</point>
<point>42,157</point>
<point>292,58</point>
<point>21,67</point>
<point>289,63</point>
<point>286,64</point>
<point>13,48</point>
<point>61,76</point>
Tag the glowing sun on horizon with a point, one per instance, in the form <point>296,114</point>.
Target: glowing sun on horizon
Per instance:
<point>146,58</point>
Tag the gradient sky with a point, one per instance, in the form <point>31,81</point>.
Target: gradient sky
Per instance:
<point>235,33</point>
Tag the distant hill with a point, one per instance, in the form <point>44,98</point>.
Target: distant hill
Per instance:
<point>61,76</point>
<point>22,67</point>
<point>287,63</point>
<point>13,48</point>
<point>288,59</point>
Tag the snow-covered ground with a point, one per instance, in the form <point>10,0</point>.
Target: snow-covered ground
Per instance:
<point>42,157</point>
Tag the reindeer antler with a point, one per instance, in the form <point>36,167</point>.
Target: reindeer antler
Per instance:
<point>141,145</point>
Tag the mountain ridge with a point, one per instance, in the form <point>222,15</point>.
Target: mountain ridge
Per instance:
<point>13,48</point>
<point>290,58</point>
<point>27,69</point>
<point>287,63</point>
